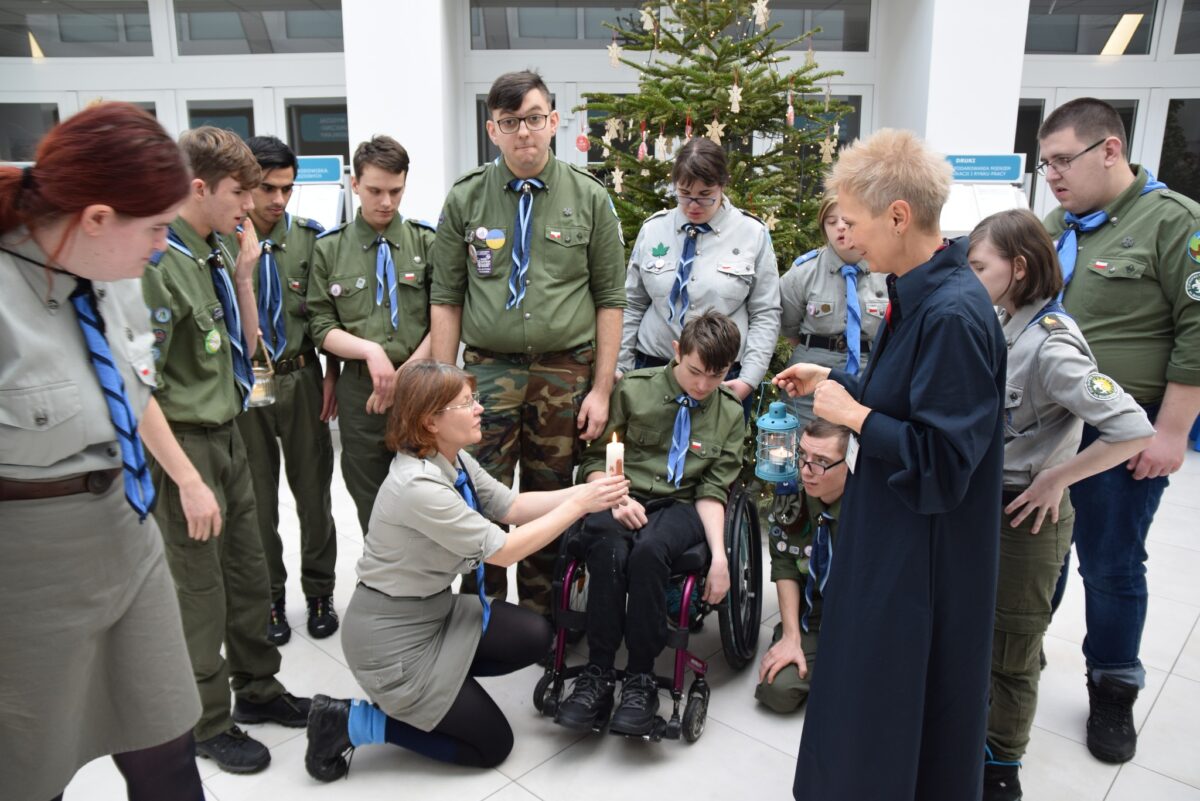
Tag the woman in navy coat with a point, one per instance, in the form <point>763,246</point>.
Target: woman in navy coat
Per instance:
<point>900,709</point>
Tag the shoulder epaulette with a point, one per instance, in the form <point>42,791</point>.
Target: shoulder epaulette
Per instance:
<point>305,222</point>
<point>421,223</point>
<point>809,256</point>
<point>1188,203</point>
<point>645,372</point>
<point>334,230</point>
<point>754,217</point>
<point>584,171</point>
<point>657,214</point>
<point>1053,322</point>
<point>472,173</point>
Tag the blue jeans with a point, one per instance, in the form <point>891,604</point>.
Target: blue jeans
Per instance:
<point>1113,513</point>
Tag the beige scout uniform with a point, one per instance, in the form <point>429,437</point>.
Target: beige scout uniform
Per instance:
<point>91,618</point>
<point>734,273</point>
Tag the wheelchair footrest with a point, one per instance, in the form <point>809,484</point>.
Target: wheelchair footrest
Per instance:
<point>570,619</point>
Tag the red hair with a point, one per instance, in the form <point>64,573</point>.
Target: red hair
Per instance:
<point>423,388</point>
<point>111,154</point>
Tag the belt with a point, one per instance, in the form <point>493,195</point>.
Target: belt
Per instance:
<point>1007,496</point>
<point>359,366</point>
<point>285,366</point>
<point>837,343</point>
<point>96,482</point>
<point>528,358</point>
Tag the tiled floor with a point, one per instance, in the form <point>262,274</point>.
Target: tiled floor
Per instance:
<point>747,752</point>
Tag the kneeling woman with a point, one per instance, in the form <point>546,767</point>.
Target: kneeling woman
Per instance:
<point>413,645</point>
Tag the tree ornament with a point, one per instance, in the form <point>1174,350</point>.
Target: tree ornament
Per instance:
<point>645,173</point>
<point>648,21</point>
<point>828,91</point>
<point>618,180</point>
<point>827,148</point>
<point>735,95</point>
<point>771,221</point>
<point>641,153</point>
<point>660,145</point>
<point>582,144</point>
<point>612,127</point>
<point>614,53</point>
<point>714,130</point>
<point>687,126</point>
<point>810,58</point>
<point>790,116</point>
<point>837,130</point>
<point>761,13</point>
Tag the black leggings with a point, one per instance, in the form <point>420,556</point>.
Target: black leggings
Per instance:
<point>475,732</point>
<point>162,771</point>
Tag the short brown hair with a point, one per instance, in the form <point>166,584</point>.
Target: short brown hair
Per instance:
<point>509,90</point>
<point>1091,119</point>
<point>893,165</point>
<point>217,153</point>
<point>423,388</point>
<point>701,160</point>
<point>712,336</point>
<point>820,428</point>
<point>383,152</point>
<point>1018,234</point>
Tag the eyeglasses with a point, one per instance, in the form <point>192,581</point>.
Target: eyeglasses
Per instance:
<point>819,469</point>
<point>533,122</point>
<point>468,405</point>
<point>702,202</point>
<point>1061,164</point>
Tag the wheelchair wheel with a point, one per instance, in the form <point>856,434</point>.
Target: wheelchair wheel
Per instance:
<point>694,716</point>
<point>542,692</point>
<point>741,613</point>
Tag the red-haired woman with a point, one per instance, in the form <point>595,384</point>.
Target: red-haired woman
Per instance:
<point>94,661</point>
<point>413,645</point>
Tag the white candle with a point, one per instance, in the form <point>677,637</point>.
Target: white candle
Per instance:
<point>614,457</point>
<point>779,456</point>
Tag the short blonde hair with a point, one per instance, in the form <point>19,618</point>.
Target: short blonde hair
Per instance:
<point>894,165</point>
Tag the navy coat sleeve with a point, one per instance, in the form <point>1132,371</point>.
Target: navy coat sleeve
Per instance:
<point>953,410</point>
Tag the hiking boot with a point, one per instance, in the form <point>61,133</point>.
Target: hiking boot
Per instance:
<point>322,620</point>
<point>284,709</point>
<point>1111,736</point>
<point>591,700</point>
<point>328,739</point>
<point>278,630</point>
<point>639,706</point>
<point>234,751</point>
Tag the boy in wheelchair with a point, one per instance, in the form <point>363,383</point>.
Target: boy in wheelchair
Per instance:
<point>800,542</point>
<point>683,435</point>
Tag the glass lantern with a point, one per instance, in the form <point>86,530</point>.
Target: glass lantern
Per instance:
<point>778,442</point>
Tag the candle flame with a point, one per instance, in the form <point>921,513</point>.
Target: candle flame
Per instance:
<point>614,436</point>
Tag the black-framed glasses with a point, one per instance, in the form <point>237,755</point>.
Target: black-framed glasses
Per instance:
<point>702,202</point>
<point>468,405</point>
<point>819,469</point>
<point>1063,163</point>
<point>534,122</point>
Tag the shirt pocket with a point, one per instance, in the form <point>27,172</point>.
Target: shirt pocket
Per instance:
<point>351,298</point>
<point>209,334</point>
<point>1126,285</point>
<point>567,251</point>
<point>1014,395</point>
<point>41,426</point>
<point>734,277</point>
<point>412,292</point>
<point>643,436</point>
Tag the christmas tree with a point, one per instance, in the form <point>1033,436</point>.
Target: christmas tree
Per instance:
<point>713,68</point>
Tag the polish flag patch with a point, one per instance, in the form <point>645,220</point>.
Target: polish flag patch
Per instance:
<point>410,276</point>
<point>696,445</point>
<point>556,234</point>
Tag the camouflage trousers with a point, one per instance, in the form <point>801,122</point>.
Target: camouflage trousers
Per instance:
<point>530,405</point>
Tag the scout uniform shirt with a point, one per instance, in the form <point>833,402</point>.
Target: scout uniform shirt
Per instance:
<point>54,420</point>
<point>790,547</point>
<point>1053,388</point>
<point>196,384</point>
<point>814,297</point>
<point>642,413</point>
<point>342,285</point>
<point>576,264</point>
<point>292,246</point>
<point>734,273</point>
<point>1136,289</point>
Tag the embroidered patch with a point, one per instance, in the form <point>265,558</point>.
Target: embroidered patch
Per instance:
<point>659,250</point>
<point>162,314</point>
<point>1194,247</point>
<point>212,341</point>
<point>160,335</point>
<point>1101,387</point>
<point>1192,286</point>
<point>495,239</point>
<point>556,234</point>
<point>781,546</point>
<point>335,290</point>
<point>360,283</point>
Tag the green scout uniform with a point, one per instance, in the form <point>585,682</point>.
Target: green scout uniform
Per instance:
<point>222,582</point>
<point>790,544</point>
<point>532,363</point>
<point>341,294</point>
<point>294,419</point>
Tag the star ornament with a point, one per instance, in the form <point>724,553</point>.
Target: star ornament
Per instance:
<point>771,221</point>
<point>614,54</point>
<point>715,130</point>
<point>761,12</point>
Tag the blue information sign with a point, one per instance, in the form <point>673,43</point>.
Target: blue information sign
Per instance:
<point>319,170</point>
<point>1007,169</point>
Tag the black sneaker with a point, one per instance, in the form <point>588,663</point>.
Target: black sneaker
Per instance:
<point>639,706</point>
<point>328,739</point>
<point>284,709</point>
<point>1111,736</point>
<point>234,751</point>
<point>278,630</point>
<point>322,620</point>
<point>1000,779</point>
<point>590,701</point>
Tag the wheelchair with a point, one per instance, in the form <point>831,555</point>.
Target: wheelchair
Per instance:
<point>739,615</point>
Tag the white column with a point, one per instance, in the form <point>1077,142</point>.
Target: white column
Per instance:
<point>951,71</point>
<point>402,80</point>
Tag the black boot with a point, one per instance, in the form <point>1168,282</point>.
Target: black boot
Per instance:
<point>328,739</point>
<point>234,751</point>
<point>1111,736</point>
<point>1000,779</point>
<point>590,701</point>
<point>278,630</point>
<point>639,706</point>
<point>284,709</point>
<point>322,620</point>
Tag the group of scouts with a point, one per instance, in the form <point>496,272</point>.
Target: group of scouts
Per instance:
<point>525,272</point>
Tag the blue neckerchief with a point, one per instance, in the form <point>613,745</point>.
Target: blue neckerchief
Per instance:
<point>853,320</point>
<point>466,488</point>
<point>680,438</point>
<point>678,301</point>
<point>522,239</point>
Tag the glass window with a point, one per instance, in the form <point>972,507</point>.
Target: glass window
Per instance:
<point>22,125</point>
<point>226,27</point>
<point>1188,40</point>
<point>83,28</point>
<point>1029,120</point>
<point>486,151</point>
<point>547,24</point>
<point>1090,27</point>
<point>1179,165</point>
<point>317,127</point>
<point>845,24</point>
<point>236,115</point>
